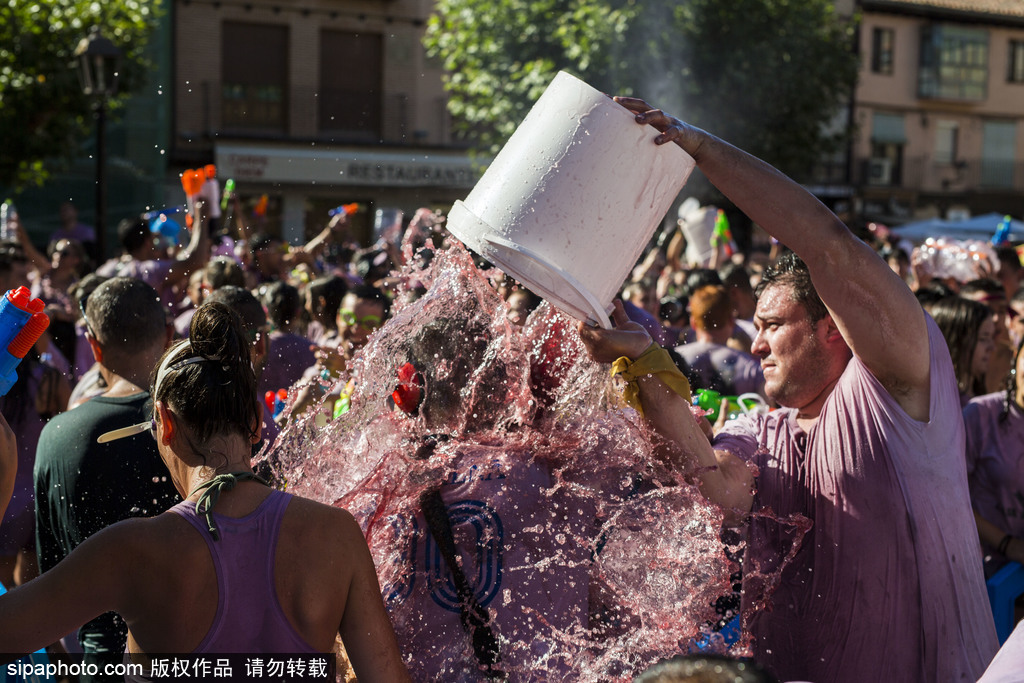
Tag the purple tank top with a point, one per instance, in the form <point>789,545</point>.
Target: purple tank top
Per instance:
<point>249,616</point>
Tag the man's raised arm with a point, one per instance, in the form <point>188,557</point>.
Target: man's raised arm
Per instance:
<point>875,311</point>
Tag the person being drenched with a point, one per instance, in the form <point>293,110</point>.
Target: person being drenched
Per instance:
<point>503,502</point>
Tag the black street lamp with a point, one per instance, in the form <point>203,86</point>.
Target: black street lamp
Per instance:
<point>98,61</point>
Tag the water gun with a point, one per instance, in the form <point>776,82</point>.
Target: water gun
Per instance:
<point>261,206</point>
<point>722,236</point>
<point>711,401</point>
<point>192,182</point>
<point>22,322</point>
<point>275,401</point>
<point>229,192</point>
<point>210,190</point>
<point>1002,235</point>
<point>347,209</point>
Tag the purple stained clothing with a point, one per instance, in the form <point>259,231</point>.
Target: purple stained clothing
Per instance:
<point>887,584</point>
<point>153,273</point>
<point>995,466</point>
<point>724,369</point>
<point>288,358</point>
<point>79,231</point>
<point>506,520</point>
<point>649,322</point>
<point>249,616</point>
<point>183,321</point>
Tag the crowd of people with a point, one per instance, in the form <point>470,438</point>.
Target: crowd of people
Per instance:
<point>135,518</point>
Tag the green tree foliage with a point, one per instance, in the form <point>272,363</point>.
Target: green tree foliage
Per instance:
<point>44,116</point>
<point>766,75</point>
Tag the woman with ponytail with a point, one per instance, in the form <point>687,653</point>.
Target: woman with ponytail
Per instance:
<point>236,567</point>
<point>995,468</point>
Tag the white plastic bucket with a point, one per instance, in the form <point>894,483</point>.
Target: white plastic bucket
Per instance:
<point>572,199</point>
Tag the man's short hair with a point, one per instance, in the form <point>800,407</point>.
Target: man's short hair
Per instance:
<point>133,233</point>
<point>711,308</point>
<point>791,271</point>
<point>735,275</point>
<point>244,304</point>
<point>222,271</point>
<point>282,303</point>
<point>125,315</point>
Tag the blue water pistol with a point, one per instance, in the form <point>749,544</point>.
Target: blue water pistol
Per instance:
<point>22,322</point>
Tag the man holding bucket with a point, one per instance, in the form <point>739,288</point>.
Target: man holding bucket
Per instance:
<point>887,583</point>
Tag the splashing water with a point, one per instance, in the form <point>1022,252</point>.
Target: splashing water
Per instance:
<point>592,559</point>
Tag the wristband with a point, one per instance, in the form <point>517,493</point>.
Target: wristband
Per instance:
<point>654,361</point>
<point>1004,544</point>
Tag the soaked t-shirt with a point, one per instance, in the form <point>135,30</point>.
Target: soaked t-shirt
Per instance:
<point>995,466</point>
<point>887,583</point>
<point>514,536</point>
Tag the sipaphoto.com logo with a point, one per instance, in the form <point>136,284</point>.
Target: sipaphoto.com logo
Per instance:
<point>26,669</point>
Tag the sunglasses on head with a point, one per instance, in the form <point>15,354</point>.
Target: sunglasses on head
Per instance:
<point>370,322</point>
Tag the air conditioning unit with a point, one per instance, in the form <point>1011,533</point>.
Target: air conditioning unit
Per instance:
<point>880,172</point>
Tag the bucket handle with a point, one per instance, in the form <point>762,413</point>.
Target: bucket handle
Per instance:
<point>595,305</point>
<point>755,398</point>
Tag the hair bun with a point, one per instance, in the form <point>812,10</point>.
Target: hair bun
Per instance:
<point>217,333</point>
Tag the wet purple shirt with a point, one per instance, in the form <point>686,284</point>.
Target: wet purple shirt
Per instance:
<point>506,523</point>
<point>995,463</point>
<point>887,584</point>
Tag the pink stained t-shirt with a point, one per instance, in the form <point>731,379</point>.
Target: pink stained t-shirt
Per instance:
<point>995,464</point>
<point>517,539</point>
<point>887,584</point>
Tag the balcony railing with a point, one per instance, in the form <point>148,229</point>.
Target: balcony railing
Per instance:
<point>332,115</point>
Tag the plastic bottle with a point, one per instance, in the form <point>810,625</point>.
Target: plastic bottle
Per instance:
<point>8,213</point>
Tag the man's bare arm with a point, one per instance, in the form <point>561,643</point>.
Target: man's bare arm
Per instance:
<point>875,311</point>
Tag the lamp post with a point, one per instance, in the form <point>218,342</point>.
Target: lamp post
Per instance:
<point>98,61</point>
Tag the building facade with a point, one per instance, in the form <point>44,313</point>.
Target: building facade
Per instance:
<point>311,104</point>
<point>938,113</point>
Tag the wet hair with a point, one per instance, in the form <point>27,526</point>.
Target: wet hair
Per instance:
<point>282,303</point>
<point>735,276</point>
<point>223,271</point>
<point>705,668</point>
<point>984,289</point>
<point>455,356</point>
<point>133,233</point>
<point>711,308</point>
<point>933,293</point>
<point>208,380</point>
<point>242,302</point>
<point>672,309</point>
<point>333,289</point>
<point>791,271</point>
<point>125,316</point>
<point>700,277</point>
<point>371,293</point>
<point>960,321</point>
